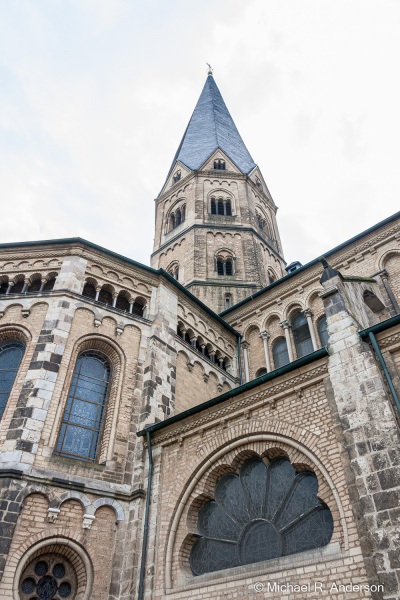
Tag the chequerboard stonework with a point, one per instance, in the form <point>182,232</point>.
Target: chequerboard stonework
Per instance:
<point>215,426</point>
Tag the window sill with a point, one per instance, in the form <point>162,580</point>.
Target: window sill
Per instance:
<point>259,570</point>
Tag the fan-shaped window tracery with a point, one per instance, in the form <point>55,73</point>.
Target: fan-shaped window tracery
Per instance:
<point>264,512</point>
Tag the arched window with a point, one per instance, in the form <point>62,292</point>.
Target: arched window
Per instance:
<point>122,302</point>
<point>11,353</point>
<point>228,266</point>
<point>262,371</point>
<point>177,176</point>
<point>262,513</point>
<point>271,277</point>
<point>49,284</point>
<point>81,424</point>
<point>138,307</point>
<point>177,217</point>
<point>323,331</point>
<point>280,353</point>
<point>35,285</point>
<point>17,287</point>
<point>224,265</point>
<point>89,290</point>
<point>221,207</point>
<point>105,296</point>
<point>228,300</point>
<point>258,184</point>
<point>48,576</point>
<point>260,221</point>
<point>3,287</point>
<point>174,271</point>
<point>301,335</point>
<point>219,164</point>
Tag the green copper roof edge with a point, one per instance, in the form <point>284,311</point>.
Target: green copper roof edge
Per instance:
<point>313,262</point>
<point>382,326</point>
<point>78,240</point>
<point>296,364</point>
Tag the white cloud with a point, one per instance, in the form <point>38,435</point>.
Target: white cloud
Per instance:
<point>95,97</point>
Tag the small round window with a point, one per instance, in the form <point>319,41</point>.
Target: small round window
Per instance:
<point>48,577</point>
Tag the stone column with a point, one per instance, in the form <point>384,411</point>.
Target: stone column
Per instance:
<point>264,335</point>
<point>115,296</point>
<point>212,355</point>
<point>308,313</point>
<point>245,346</point>
<point>10,285</point>
<point>43,283</point>
<point>26,285</point>
<point>130,305</point>
<point>98,290</point>
<point>286,326</point>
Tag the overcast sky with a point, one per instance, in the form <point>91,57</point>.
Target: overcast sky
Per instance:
<point>95,96</point>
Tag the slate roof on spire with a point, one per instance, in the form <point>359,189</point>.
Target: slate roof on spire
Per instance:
<point>212,127</point>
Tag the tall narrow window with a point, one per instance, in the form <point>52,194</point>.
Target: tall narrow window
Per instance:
<point>213,206</point>
<point>80,428</point>
<point>221,207</point>
<point>227,301</point>
<point>11,353</point>
<point>220,266</point>
<point>228,267</point>
<point>301,335</point>
<point>280,353</point>
<point>323,331</point>
<point>3,287</point>
<point>228,208</point>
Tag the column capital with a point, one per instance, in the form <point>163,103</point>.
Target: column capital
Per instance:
<point>285,324</point>
<point>264,335</point>
<point>308,312</point>
<point>245,345</point>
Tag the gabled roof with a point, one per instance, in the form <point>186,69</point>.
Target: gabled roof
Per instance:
<point>212,127</point>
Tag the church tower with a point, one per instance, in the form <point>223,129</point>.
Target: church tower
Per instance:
<point>216,229</point>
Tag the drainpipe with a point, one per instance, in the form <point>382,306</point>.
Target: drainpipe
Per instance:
<point>146,520</point>
<point>378,352</point>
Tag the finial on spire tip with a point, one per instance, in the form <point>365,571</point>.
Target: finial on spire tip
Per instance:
<point>210,69</point>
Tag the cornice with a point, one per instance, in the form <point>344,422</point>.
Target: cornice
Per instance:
<point>242,406</point>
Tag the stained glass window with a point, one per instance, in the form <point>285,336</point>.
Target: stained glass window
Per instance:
<point>50,579</point>
<point>302,336</point>
<point>264,512</point>
<point>80,428</point>
<point>280,353</point>
<point>11,353</point>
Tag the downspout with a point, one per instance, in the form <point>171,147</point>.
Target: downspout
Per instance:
<point>239,360</point>
<point>388,377</point>
<point>146,519</point>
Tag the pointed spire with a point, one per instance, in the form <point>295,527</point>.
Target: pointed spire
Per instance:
<point>212,127</point>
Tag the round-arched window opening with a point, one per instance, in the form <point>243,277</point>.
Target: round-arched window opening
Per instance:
<point>48,577</point>
<point>264,512</point>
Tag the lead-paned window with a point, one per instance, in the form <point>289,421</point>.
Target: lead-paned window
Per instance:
<point>301,335</point>
<point>11,353</point>
<point>82,419</point>
<point>280,353</point>
<point>264,512</point>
